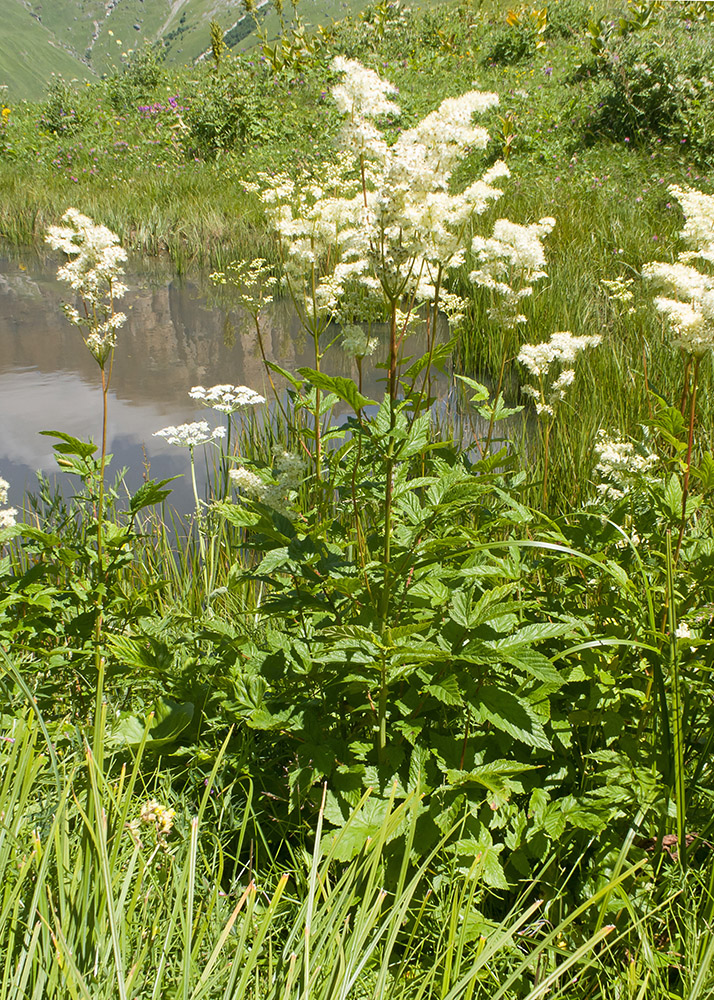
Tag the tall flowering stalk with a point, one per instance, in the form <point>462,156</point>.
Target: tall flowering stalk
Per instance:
<point>94,272</point>
<point>543,361</point>
<point>689,309</point>
<point>385,226</point>
<point>509,263</point>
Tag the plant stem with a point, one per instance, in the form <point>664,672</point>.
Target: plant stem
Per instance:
<point>690,444</point>
<point>99,665</point>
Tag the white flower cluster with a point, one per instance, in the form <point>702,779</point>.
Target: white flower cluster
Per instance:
<point>691,311</point>
<point>191,435</point>
<point>363,91</point>
<point>562,349</point>
<point>509,263</point>
<point>278,491</point>
<point>94,274</point>
<point>384,218</point>
<point>226,398</point>
<point>620,466</point>
<point>9,514</point>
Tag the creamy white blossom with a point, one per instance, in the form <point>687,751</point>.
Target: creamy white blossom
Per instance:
<point>226,398</point>
<point>362,92</point>
<point>620,467</point>
<point>191,435</point>
<point>94,273</point>
<point>247,482</point>
<point>8,517</point>
<point>538,359</point>
<point>510,262</point>
<point>276,491</point>
<point>690,306</point>
<point>384,219</point>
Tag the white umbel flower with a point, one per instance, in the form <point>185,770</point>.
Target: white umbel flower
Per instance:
<point>226,398</point>
<point>191,435</point>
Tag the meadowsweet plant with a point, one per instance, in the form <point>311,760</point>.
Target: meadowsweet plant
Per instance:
<point>689,309</point>
<point>621,466</point>
<point>277,487</point>
<point>509,263</point>
<point>94,271</point>
<point>552,364</point>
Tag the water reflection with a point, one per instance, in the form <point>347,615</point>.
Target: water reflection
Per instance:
<point>179,333</point>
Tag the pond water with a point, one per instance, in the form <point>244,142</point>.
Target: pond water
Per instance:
<point>179,333</point>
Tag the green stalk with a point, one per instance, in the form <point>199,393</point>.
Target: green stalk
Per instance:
<point>99,665</point>
<point>677,734</point>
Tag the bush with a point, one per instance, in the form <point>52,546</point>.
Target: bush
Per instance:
<point>660,84</point>
<point>141,75</point>
<point>225,114</point>
<point>512,44</point>
<point>61,113</point>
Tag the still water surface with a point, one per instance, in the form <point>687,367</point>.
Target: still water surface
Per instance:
<point>179,333</point>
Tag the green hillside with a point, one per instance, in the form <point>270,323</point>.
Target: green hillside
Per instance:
<point>30,52</point>
<point>81,38</point>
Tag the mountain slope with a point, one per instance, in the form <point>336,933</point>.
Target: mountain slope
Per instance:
<point>80,38</point>
<point>30,52</point>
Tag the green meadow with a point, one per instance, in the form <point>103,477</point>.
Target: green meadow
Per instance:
<point>415,702</point>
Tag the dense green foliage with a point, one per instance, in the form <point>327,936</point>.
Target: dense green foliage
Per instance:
<point>423,668</point>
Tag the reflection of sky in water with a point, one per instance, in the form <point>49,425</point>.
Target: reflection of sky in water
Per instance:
<point>178,334</point>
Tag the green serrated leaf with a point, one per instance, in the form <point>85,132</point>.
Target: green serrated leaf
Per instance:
<point>343,388</point>
<point>150,493</point>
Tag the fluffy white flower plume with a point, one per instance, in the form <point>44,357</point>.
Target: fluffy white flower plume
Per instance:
<point>226,398</point>
<point>690,310</point>
<point>94,273</point>
<point>363,92</point>
<point>384,219</point>
<point>190,435</point>
<point>620,466</point>
<point>510,262</point>
<point>561,350</point>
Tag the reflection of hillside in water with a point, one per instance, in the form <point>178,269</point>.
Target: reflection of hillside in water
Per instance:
<point>179,333</point>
